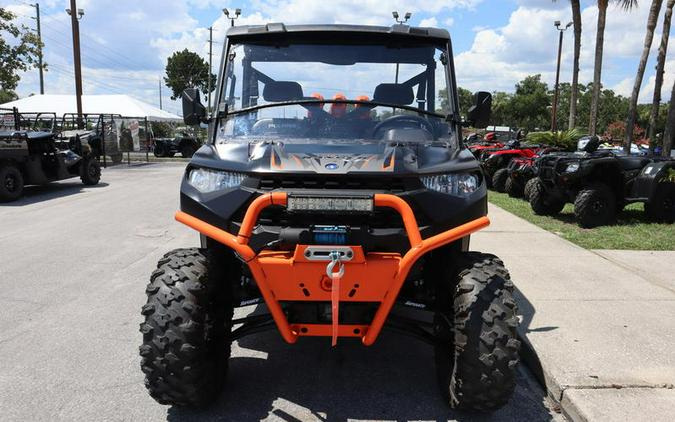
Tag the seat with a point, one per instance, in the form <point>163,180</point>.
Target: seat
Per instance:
<point>280,91</point>
<point>398,94</point>
<point>632,163</point>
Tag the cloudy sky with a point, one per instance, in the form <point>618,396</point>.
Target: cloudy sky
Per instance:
<point>125,43</point>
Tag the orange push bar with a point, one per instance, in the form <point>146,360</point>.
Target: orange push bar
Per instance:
<point>387,295</point>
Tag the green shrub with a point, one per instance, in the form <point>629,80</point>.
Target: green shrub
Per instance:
<point>565,139</point>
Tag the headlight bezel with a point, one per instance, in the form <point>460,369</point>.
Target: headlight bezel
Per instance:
<point>454,184</point>
<point>572,166</point>
<point>207,180</point>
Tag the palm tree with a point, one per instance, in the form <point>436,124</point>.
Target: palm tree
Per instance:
<point>599,43</point>
<point>576,19</point>
<point>649,37</point>
<point>658,83</point>
<point>670,126</point>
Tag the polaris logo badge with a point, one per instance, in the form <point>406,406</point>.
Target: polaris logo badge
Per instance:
<point>332,166</point>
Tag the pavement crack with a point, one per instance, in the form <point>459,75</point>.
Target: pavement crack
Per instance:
<point>632,270</point>
<point>30,302</point>
<point>17,335</point>
<point>616,386</point>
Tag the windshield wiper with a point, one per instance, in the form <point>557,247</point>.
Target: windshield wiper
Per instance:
<point>317,101</point>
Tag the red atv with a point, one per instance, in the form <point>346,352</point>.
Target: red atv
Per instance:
<point>522,170</point>
<point>489,142</point>
<point>495,162</point>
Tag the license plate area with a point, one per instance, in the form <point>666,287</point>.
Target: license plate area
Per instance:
<point>323,253</point>
<point>293,276</point>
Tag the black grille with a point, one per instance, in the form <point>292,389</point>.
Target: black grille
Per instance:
<point>387,184</point>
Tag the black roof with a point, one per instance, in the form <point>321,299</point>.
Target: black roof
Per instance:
<point>25,134</point>
<point>410,32</point>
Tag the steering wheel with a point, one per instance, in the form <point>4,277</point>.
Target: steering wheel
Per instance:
<point>404,120</point>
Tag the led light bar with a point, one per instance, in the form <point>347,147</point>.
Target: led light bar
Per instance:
<point>329,204</point>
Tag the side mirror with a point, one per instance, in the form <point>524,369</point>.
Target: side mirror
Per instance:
<point>194,111</point>
<point>480,111</point>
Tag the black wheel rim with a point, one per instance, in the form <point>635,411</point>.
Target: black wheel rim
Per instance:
<point>92,170</point>
<point>598,207</point>
<point>10,183</point>
<point>668,204</point>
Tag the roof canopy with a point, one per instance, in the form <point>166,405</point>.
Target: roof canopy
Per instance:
<point>123,105</point>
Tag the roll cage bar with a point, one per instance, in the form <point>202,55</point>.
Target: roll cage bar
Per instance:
<point>425,81</point>
<point>281,34</point>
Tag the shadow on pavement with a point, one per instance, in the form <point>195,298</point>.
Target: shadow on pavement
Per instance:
<point>41,193</point>
<point>528,355</point>
<point>392,380</point>
<point>625,217</point>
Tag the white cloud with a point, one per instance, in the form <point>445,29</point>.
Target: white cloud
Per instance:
<point>125,43</point>
<point>527,44</point>
<point>544,4</point>
<point>625,87</point>
<point>431,22</point>
<point>500,57</point>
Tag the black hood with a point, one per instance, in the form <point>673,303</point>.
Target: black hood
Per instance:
<point>334,157</point>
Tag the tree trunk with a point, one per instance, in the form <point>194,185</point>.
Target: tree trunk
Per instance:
<point>597,70</point>
<point>649,37</point>
<point>658,83</point>
<point>576,18</point>
<point>669,134</point>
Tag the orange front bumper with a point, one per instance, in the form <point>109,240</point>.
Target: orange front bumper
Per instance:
<point>290,276</point>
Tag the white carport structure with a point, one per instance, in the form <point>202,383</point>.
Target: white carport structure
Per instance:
<point>123,105</point>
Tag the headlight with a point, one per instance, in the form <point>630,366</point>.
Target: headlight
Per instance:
<point>572,167</point>
<point>205,180</point>
<point>493,158</point>
<point>462,184</point>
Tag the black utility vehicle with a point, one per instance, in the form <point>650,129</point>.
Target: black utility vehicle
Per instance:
<point>184,142</point>
<point>34,158</point>
<point>332,190</point>
<point>601,182</point>
<point>99,132</point>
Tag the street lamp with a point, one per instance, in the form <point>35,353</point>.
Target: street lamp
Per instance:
<point>401,21</point>
<point>80,13</point>
<point>554,111</point>
<point>237,12</point>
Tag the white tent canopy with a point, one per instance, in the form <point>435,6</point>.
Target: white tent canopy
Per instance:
<point>123,105</point>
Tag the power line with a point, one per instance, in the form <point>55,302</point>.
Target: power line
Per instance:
<point>110,64</point>
<point>129,78</point>
<point>88,40</point>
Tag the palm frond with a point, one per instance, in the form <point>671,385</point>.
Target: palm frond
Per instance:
<point>627,4</point>
<point>565,139</point>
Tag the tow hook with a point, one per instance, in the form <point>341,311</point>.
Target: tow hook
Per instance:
<point>335,259</point>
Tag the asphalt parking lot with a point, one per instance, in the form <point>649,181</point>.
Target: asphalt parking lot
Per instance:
<point>73,269</point>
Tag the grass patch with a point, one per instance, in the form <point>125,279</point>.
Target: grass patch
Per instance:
<point>631,231</point>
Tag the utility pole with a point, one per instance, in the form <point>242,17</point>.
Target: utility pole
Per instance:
<point>39,34</point>
<point>208,108</point>
<point>75,16</point>
<point>160,93</point>
<point>554,110</point>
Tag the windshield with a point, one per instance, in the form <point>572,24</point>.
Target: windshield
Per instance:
<point>330,92</point>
